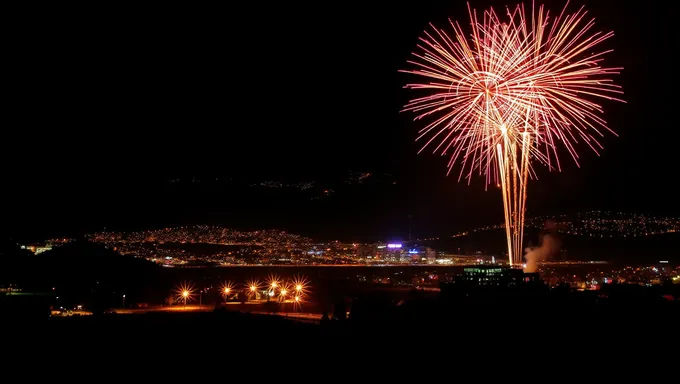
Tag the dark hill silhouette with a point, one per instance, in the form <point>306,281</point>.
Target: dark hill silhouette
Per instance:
<point>10,251</point>
<point>82,272</point>
<point>12,261</point>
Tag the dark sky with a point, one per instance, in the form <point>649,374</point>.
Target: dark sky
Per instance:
<point>105,104</point>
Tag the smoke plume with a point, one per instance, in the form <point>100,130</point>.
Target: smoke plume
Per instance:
<point>549,247</point>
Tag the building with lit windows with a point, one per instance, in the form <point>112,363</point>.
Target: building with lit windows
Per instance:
<point>486,275</point>
<point>495,276</point>
<point>37,248</point>
<point>431,255</point>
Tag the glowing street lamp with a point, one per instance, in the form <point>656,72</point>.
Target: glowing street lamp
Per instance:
<point>273,282</point>
<point>297,303</point>
<point>272,291</point>
<point>253,287</point>
<point>227,289</point>
<point>185,293</point>
<point>282,298</point>
<point>301,284</point>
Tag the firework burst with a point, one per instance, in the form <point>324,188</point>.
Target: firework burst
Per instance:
<point>516,90</point>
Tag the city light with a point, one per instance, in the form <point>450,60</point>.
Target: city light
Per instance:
<point>598,224</point>
<point>288,249</point>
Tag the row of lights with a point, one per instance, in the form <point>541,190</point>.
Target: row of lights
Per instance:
<point>299,285</point>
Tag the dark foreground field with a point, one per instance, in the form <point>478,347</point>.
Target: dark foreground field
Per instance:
<point>492,328</point>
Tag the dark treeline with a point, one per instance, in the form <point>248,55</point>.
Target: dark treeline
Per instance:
<point>80,273</point>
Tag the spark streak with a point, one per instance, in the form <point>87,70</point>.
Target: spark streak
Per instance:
<point>516,90</point>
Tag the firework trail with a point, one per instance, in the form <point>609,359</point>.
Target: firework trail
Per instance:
<point>514,89</point>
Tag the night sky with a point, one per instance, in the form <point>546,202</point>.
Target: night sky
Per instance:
<point>106,104</point>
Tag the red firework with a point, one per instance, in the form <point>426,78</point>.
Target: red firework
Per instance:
<point>526,76</point>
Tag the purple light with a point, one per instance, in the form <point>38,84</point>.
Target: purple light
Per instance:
<point>393,246</point>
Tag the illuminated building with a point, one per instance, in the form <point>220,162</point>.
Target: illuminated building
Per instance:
<point>664,267</point>
<point>495,276</point>
<point>365,251</point>
<point>412,255</point>
<point>430,255</point>
<point>37,248</point>
<point>393,252</point>
<point>484,276</point>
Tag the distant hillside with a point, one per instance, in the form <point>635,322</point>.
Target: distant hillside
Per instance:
<point>576,247</point>
<point>598,224</point>
<point>203,234</point>
<point>84,272</point>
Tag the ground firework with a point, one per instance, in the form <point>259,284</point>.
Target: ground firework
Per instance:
<point>516,89</point>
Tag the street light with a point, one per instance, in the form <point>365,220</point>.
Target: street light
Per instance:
<point>185,292</point>
<point>282,298</point>
<point>226,289</point>
<point>253,287</point>
<point>123,301</point>
<point>273,282</point>
<point>296,303</point>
